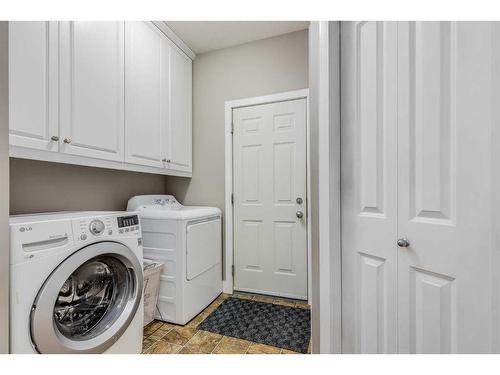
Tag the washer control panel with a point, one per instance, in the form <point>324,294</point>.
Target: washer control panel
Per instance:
<point>87,229</point>
<point>128,224</point>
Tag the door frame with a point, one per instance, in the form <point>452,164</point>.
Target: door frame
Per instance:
<point>324,82</point>
<point>4,188</point>
<point>228,259</point>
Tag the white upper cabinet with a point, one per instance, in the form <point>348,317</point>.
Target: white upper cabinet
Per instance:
<point>33,85</point>
<point>158,100</point>
<point>92,89</point>
<point>146,99</point>
<point>179,136</point>
<point>106,94</point>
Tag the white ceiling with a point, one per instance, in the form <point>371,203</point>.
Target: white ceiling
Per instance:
<point>204,36</point>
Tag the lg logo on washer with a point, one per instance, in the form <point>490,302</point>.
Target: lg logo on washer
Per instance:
<point>25,229</point>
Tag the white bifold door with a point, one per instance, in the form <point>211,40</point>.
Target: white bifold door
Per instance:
<point>269,169</point>
<point>420,187</point>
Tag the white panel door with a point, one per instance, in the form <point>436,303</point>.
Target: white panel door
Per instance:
<point>445,202</point>
<point>33,85</point>
<point>419,117</point>
<point>269,169</point>
<point>92,89</point>
<point>369,186</point>
<point>146,92</point>
<point>179,138</point>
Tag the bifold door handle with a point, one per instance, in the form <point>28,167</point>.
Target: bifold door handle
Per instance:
<point>54,138</point>
<point>403,242</point>
<point>67,140</point>
<point>299,214</point>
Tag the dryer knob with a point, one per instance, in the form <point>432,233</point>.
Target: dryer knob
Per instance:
<point>96,227</point>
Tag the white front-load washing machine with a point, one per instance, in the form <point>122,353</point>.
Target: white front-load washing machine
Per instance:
<point>188,241</point>
<point>76,283</point>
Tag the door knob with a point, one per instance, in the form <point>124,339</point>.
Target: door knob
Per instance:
<point>67,140</point>
<point>299,214</point>
<point>403,242</point>
<point>54,138</point>
<point>299,200</point>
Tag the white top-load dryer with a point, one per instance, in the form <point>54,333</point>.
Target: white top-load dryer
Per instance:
<point>188,240</point>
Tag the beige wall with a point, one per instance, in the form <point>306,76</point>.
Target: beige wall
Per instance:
<point>258,68</point>
<point>4,188</point>
<point>37,186</point>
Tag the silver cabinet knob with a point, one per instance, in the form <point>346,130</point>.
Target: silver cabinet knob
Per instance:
<point>168,160</point>
<point>54,138</point>
<point>299,200</point>
<point>164,160</point>
<point>67,140</point>
<point>299,214</point>
<point>403,242</point>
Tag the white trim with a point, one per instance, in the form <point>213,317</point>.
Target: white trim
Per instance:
<point>58,157</point>
<point>4,188</point>
<point>227,284</point>
<point>165,29</point>
<point>273,98</point>
<point>325,93</point>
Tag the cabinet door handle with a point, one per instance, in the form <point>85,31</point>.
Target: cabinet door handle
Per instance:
<point>67,140</point>
<point>54,138</point>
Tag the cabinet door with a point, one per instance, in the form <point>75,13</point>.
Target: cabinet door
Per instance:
<point>146,82</point>
<point>179,137</point>
<point>92,89</point>
<point>33,84</point>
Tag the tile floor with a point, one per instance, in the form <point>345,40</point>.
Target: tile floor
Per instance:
<point>166,338</point>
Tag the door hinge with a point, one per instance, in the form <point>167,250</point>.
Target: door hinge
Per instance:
<point>232,198</point>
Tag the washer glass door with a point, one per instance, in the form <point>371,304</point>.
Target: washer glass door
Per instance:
<point>92,298</point>
<point>88,301</point>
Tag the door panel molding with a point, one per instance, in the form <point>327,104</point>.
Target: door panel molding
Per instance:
<point>432,121</point>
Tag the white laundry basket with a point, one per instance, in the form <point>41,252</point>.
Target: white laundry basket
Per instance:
<point>152,271</point>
